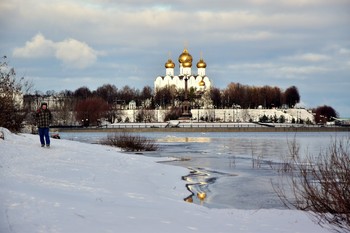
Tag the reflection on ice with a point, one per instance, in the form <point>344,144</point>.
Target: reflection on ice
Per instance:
<point>198,182</point>
<point>170,138</point>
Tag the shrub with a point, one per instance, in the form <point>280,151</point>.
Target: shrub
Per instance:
<point>264,119</point>
<point>11,90</point>
<point>130,142</point>
<point>321,186</point>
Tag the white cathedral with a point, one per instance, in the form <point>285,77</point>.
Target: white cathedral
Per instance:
<point>200,82</point>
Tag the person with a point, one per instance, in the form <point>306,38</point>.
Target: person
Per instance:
<point>43,120</point>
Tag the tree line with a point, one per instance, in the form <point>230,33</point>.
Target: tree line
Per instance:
<point>235,94</point>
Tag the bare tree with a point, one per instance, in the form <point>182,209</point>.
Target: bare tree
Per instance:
<point>320,185</point>
<point>107,92</point>
<point>127,94</point>
<point>291,96</point>
<point>324,113</point>
<point>88,111</point>
<point>11,95</point>
<point>82,93</point>
<point>146,93</point>
<point>165,96</point>
<point>215,96</point>
<point>251,96</point>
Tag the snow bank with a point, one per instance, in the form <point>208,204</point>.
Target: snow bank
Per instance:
<point>77,187</point>
<point>5,134</point>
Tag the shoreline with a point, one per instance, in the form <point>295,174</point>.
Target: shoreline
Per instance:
<point>207,129</point>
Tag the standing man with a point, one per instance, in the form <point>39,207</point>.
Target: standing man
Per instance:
<point>43,119</point>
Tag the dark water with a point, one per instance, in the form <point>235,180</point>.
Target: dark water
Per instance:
<point>235,170</point>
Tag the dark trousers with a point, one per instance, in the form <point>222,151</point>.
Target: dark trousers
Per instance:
<point>44,136</point>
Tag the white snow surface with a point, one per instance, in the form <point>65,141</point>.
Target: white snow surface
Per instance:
<point>78,187</point>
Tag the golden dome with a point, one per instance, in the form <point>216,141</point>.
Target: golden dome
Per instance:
<point>185,57</point>
<point>201,83</point>
<point>201,64</point>
<point>187,64</point>
<point>169,64</point>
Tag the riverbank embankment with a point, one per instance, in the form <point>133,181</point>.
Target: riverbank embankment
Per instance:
<point>208,127</point>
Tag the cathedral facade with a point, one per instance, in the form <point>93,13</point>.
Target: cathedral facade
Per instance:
<point>199,81</point>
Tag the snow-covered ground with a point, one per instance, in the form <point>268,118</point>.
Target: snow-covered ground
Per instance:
<point>77,187</point>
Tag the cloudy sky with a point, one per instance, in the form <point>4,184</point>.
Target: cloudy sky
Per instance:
<point>61,44</point>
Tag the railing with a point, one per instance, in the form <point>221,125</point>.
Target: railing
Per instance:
<point>208,125</point>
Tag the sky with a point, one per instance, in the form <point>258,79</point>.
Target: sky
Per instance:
<point>63,45</point>
<point>74,187</point>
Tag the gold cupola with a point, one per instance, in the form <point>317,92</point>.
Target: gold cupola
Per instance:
<point>170,64</point>
<point>201,64</point>
<point>185,58</point>
<point>201,83</point>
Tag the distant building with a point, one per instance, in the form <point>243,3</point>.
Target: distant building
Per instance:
<point>199,81</point>
<point>132,104</point>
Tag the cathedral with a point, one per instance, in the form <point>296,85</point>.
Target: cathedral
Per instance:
<point>199,81</point>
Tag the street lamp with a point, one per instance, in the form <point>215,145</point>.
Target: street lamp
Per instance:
<point>201,85</point>
<point>186,114</point>
<point>233,112</point>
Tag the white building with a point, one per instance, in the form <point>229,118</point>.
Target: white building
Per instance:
<point>199,81</point>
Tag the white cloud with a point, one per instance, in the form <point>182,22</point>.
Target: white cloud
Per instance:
<point>75,53</point>
<point>279,70</point>
<point>301,70</point>
<point>309,57</point>
<point>70,52</point>
<point>296,3</point>
<point>250,66</point>
<point>37,47</point>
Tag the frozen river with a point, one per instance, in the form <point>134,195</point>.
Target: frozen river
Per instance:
<point>234,169</point>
